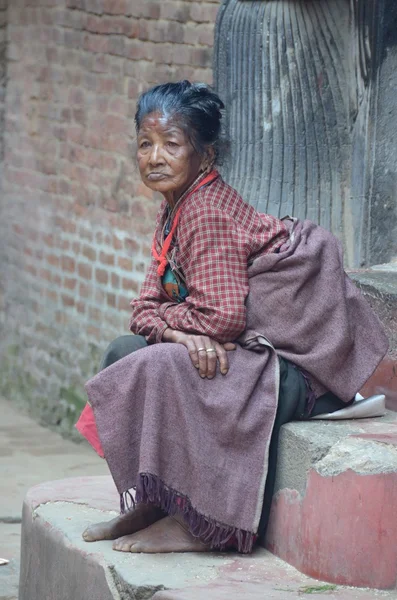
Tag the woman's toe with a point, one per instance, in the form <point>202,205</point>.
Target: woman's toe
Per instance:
<point>123,544</point>
<point>88,535</point>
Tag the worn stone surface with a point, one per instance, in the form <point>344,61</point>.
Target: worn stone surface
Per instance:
<point>52,533</point>
<point>304,445</point>
<point>361,456</point>
<point>379,287</point>
<point>334,508</point>
<point>30,454</point>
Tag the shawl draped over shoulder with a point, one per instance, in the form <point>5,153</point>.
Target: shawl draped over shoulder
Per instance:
<point>200,447</point>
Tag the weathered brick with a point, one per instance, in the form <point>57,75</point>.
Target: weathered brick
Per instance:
<point>31,269</point>
<point>130,285</point>
<point>52,295</point>
<point>94,332</point>
<point>115,7</point>
<point>53,260</point>
<point>45,274</point>
<point>117,243</point>
<point>101,276</point>
<point>76,96</point>
<point>94,6</point>
<point>67,300</point>
<point>131,246</point>
<point>96,43</point>
<point>140,267</point>
<point>123,303</point>
<point>68,263</point>
<point>81,307</point>
<point>106,259</point>
<point>85,290</point>
<point>124,263</point>
<point>100,296</point>
<point>89,253</point>
<point>204,12</point>
<point>95,314</point>
<point>114,124</point>
<point>115,280</point>
<point>84,270</point>
<point>111,300</point>
<point>175,11</point>
<point>70,283</point>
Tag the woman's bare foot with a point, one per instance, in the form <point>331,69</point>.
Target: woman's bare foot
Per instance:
<point>135,520</point>
<point>168,535</point>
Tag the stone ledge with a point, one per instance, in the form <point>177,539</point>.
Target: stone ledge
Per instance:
<point>379,286</point>
<point>333,515</point>
<point>56,563</point>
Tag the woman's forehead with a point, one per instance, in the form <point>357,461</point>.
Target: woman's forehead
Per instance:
<point>159,123</point>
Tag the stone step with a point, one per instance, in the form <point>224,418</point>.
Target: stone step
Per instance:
<point>334,511</point>
<point>57,564</point>
<point>333,518</point>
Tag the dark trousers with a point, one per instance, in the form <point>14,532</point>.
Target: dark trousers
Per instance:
<point>291,407</point>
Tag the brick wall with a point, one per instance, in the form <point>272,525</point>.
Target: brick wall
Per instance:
<point>75,221</point>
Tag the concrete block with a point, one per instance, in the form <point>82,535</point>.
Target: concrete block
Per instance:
<point>334,511</point>
<point>58,565</point>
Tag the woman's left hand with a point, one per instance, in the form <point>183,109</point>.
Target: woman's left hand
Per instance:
<point>204,352</point>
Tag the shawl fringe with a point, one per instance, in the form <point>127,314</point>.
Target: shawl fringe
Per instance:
<point>151,489</point>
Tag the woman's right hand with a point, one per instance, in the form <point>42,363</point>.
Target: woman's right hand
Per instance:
<point>204,351</point>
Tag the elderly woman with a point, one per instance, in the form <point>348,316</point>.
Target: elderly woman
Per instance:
<point>244,322</point>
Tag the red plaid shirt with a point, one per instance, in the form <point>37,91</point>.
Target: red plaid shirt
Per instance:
<point>217,237</point>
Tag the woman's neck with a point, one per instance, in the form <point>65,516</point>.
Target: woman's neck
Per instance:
<point>175,196</point>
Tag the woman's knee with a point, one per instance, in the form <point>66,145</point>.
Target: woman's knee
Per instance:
<point>121,347</point>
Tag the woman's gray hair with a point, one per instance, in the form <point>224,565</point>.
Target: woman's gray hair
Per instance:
<point>195,107</point>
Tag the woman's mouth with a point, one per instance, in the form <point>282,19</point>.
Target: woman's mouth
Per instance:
<point>156,176</point>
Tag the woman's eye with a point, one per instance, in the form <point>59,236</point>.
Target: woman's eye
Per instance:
<point>144,145</point>
<point>172,144</point>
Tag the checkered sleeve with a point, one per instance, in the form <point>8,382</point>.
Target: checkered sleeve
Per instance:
<point>213,256</point>
<point>145,319</point>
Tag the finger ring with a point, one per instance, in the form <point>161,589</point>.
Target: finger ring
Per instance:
<point>211,350</point>
<point>201,350</point>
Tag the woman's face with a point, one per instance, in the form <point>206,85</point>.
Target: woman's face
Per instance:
<point>167,160</point>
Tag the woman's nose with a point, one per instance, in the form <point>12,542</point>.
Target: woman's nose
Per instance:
<point>156,156</point>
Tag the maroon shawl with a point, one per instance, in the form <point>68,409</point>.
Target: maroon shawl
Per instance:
<point>200,447</point>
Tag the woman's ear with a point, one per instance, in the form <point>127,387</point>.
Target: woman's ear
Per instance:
<point>208,160</point>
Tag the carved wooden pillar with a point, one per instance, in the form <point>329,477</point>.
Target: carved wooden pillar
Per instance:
<point>307,89</point>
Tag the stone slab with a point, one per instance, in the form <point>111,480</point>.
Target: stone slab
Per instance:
<point>334,512</point>
<point>57,563</point>
<point>31,454</point>
<point>384,381</point>
<point>379,286</point>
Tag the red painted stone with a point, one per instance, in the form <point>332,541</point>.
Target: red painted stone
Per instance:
<point>384,381</point>
<point>343,531</point>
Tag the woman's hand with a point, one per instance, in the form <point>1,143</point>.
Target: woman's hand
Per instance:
<point>204,352</point>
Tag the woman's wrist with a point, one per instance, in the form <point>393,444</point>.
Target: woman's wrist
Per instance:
<point>168,335</point>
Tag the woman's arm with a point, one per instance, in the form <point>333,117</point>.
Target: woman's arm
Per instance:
<point>213,257</point>
<point>145,319</point>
